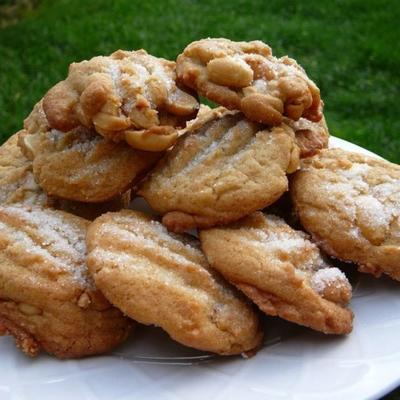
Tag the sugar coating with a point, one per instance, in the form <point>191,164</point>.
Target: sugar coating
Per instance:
<point>280,242</point>
<point>209,146</point>
<point>58,236</point>
<point>139,264</point>
<point>326,277</point>
<point>374,211</point>
<point>132,81</point>
<point>377,204</point>
<point>160,236</point>
<point>83,142</point>
<point>144,242</point>
<point>29,191</point>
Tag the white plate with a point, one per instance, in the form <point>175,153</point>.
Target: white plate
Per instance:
<point>295,363</point>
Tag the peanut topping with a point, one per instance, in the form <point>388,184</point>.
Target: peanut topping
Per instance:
<point>230,71</point>
<point>156,139</point>
<point>126,91</point>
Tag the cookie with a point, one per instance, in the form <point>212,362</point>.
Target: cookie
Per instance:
<point>350,204</point>
<point>281,271</point>
<point>17,184</point>
<point>81,165</point>
<point>129,95</point>
<point>245,76</point>
<point>47,299</point>
<point>224,168</point>
<point>163,279</point>
<point>311,137</point>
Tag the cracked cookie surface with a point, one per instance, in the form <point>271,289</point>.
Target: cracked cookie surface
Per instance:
<point>224,168</point>
<point>350,204</point>
<point>246,76</point>
<point>282,271</point>
<point>81,165</point>
<point>129,95</point>
<point>47,298</point>
<point>164,279</point>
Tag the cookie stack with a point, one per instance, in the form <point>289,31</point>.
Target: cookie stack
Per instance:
<point>78,267</point>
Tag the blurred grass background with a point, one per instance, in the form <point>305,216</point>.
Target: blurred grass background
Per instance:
<point>349,48</point>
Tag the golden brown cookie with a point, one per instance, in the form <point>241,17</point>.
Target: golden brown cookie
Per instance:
<point>163,279</point>
<point>224,168</point>
<point>245,76</point>
<point>350,204</point>
<point>281,271</point>
<point>128,95</point>
<point>311,137</point>
<point>81,165</point>
<point>17,184</point>
<point>47,299</point>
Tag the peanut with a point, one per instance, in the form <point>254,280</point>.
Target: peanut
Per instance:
<point>143,117</point>
<point>108,122</point>
<point>181,103</point>
<point>262,108</point>
<point>158,138</point>
<point>230,71</point>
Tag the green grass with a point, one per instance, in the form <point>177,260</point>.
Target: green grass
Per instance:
<point>348,47</point>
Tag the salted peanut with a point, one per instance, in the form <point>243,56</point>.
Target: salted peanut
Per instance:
<point>350,204</point>
<point>282,271</point>
<point>228,72</point>
<point>181,103</point>
<point>223,168</point>
<point>163,279</point>
<point>262,108</point>
<point>125,91</point>
<point>311,137</point>
<point>144,119</point>
<point>104,122</point>
<point>47,298</point>
<point>154,139</point>
<point>81,165</point>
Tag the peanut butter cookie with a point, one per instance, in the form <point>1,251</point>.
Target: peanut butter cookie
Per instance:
<point>47,299</point>
<point>129,95</point>
<point>350,204</point>
<point>224,168</point>
<point>163,279</point>
<point>17,184</point>
<point>245,76</point>
<point>81,165</point>
<point>281,271</point>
